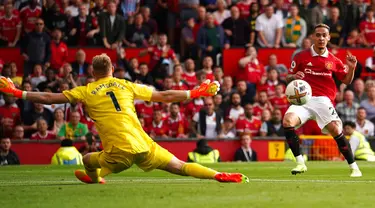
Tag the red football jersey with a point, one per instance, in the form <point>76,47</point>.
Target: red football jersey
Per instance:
<point>210,75</point>
<point>269,87</point>
<point>29,17</point>
<point>177,126</point>
<point>59,55</point>
<point>244,9</point>
<point>253,72</point>
<point>258,109</point>
<point>179,86</point>
<point>280,103</point>
<point>369,31</point>
<point>243,125</point>
<point>14,12</point>
<point>318,71</point>
<point>11,112</point>
<point>159,130</point>
<point>193,107</point>
<point>146,111</point>
<point>190,79</point>
<point>8,27</point>
<point>156,53</point>
<point>38,136</point>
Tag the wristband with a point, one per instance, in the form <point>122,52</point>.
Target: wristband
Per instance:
<point>24,93</point>
<point>188,94</point>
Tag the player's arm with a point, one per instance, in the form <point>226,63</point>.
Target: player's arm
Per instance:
<point>206,89</point>
<point>7,87</point>
<point>351,62</point>
<point>294,73</point>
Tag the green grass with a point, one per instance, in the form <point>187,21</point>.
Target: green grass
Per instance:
<point>326,184</point>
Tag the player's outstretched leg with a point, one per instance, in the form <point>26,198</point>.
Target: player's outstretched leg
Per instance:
<point>344,146</point>
<point>289,122</point>
<point>91,172</point>
<point>195,170</point>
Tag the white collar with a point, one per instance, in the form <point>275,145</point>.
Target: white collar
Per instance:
<point>373,20</point>
<point>157,125</point>
<point>313,53</point>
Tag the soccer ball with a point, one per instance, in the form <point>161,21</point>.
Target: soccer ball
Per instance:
<point>298,92</point>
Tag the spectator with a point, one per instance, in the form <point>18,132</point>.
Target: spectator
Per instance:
<point>37,76</point>
<point>137,34</point>
<point>144,76</point>
<point>36,48</point>
<point>59,50</point>
<point>188,9</point>
<point>254,13</point>
<point>128,8</point>
<point>10,110</point>
<point>80,65</point>
<point>269,28</point>
<point>150,23</point>
<point>355,39</point>
<point>25,105</point>
<point>360,146</point>
<point>236,109</point>
<point>189,48</point>
<point>17,80</point>
<point>236,29</point>
<point>51,82</point>
<point>158,128</point>
<point>177,123</point>
<point>90,145</point>
<point>244,7</point>
<point>359,90</point>
<point>222,12</point>
<point>274,126</point>
<point>266,115</point>
<point>281,8</point>
<point>207,123</point>
<point>83,29</point>
<point>347,109</point>
<point>73,9</point>
<point>67,154</point>
<point>189,75</point>
<point>98,9</point>
<point>74,129</point>
<point>178,83</point>
<point>306,44</point>
<point>254,70</point>
<point>247,94</point>
<point>350,14</point>
<point>36,113</point>
<point>228,131</point>
<point>226,89</point>
<point>42,133</point>
<point>193,107</point>
<point>218,102</point>
<point>370,62</point>
<point>146,110</point>
<point>295,29</point>
<point>245,153</point>
<point>56,20</point>
<point>59,120</point>
<point>18,133</point>
<point>280,101</point>
<point>337,29</point>
<point>10,26</point>
<point>219,74</point>
<point>207,68</point>
<point>262,104</point>
<point>369,103</point>
<point>270,83</point>
<point>363,125</point>
<point>7,156</point>
<point>211,38</point>
<point>204,153</point>
<point>281,69</point>
<point>30,15</point>
<point>247,123</point>
<point>159,52</point>
<point>320,13</point>
<point>112,27</point>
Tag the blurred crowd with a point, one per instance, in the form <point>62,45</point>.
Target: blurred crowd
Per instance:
<point>183,39</point>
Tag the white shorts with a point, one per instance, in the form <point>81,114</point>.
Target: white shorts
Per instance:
<point>319,109</point>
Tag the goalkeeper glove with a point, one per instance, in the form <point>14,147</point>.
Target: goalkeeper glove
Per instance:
<point>7,87</point>
<point>206,89</point>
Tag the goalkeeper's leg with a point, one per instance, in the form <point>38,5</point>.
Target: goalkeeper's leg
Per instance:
<point>92,169</point>
<point>195,170</point>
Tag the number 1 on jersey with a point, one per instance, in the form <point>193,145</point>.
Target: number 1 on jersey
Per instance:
<point>114,100</point>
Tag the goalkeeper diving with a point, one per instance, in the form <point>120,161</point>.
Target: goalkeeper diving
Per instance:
<point>110,103</point>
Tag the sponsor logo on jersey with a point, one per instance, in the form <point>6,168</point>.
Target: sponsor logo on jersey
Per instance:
<point>309,71</point>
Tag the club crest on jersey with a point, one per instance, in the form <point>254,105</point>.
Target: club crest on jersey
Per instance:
<point>329,65</point>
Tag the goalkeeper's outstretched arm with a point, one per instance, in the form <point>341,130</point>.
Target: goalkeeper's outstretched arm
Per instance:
<point>206,89</point>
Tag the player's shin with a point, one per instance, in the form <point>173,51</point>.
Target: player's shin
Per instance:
<point>293,142</point>
<point>346,150</point>
<point>198,171</point>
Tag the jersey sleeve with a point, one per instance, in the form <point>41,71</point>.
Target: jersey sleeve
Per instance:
<point>75,95</point>
<point>341,69</point>
<point>141,92</point>
<point>294,65</point>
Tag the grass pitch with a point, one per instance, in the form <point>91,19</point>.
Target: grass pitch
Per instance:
<point>326,184</point>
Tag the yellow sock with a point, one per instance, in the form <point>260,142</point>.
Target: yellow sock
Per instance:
<point>198,171</point>
<point>93,167</point>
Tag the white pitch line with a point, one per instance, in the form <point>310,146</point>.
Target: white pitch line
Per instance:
<point>309,181</point>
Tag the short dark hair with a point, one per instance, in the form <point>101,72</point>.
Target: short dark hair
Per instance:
<point>350,123</point>
<point>369,9</point>
<point>361,108</point>
<point>321,25</point>
<point>66,143</point>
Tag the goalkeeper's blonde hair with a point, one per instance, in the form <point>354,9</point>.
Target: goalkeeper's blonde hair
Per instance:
<point>102,64</point>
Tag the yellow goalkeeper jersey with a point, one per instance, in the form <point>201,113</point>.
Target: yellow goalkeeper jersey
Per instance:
<point>110,103</point>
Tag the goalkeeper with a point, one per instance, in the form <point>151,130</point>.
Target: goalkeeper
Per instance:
<point>110,103</point>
